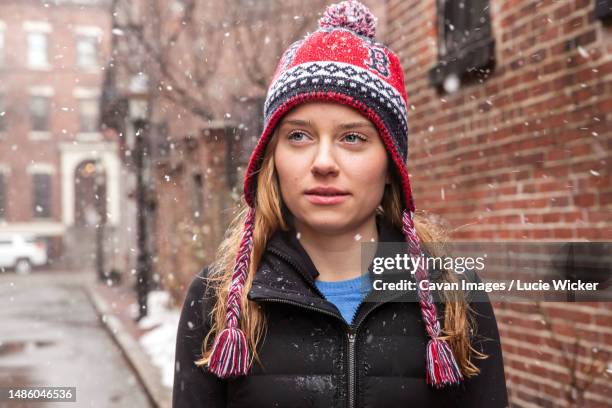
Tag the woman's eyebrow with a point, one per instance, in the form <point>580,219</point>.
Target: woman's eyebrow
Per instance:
<point>296,122</point>
<point>350,125</point>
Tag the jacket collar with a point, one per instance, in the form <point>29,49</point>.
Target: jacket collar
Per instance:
<point>286,271</point>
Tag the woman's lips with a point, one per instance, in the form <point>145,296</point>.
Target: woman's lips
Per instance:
<point>319,199</point>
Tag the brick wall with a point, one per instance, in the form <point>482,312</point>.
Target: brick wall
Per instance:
<point>523,155</point>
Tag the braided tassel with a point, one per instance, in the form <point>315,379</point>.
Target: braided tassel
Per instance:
<point>230,352</point>
<point>442,368</point>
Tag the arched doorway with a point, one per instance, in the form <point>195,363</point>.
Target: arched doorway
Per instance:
<point>87,234</point>
<point>81,165</point>
<point>89,194</point>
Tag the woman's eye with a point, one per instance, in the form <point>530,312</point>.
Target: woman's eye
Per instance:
<point>354,138</point>
<point>296,136</point>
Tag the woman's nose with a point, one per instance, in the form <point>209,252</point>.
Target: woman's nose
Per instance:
<point>324,162</point>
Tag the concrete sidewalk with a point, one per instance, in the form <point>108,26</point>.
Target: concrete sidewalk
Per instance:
<point>114,305</point>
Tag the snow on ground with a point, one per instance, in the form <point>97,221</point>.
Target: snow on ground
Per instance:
<point>160,341</point>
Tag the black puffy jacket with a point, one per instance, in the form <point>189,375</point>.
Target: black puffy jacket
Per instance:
<point>312,358</point>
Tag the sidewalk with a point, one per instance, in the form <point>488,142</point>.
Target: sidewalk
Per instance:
<point>117,306</point>
<point>52,336</point>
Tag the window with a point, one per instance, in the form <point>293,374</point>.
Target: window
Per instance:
<point>198,196</point>
<point>41,195</point>
<point>88,115</point>
<point>2,114</point>
<point>39,113</point>
<point>38,49</point>
<point>87,51</point>
<point>603,10</point>
<point>2,196</point>
<point>465,42</point>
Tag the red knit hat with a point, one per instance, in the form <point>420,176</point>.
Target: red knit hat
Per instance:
<point>339,62</point>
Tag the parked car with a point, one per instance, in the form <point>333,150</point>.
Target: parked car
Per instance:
<point>22,252</point>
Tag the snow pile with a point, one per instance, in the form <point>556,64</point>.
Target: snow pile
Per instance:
<point>160,341</point>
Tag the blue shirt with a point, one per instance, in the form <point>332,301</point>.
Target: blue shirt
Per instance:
<point>346,294</point>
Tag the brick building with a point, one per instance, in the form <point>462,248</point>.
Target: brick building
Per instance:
<point>53,56</point>
<point>510,139</point>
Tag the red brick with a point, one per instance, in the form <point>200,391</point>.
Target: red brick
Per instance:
<point>600,216</point>
<point>605,198</point>
<point>541,234</point>
<point>563,11</point>
<point>551,217</point>
<point>568,315</point>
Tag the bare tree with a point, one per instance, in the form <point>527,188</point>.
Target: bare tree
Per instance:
<point>179,44</point>
<point>176,44</point>
<point>265,28</point>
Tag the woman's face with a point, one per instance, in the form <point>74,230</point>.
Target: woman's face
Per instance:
<point>327,145</point>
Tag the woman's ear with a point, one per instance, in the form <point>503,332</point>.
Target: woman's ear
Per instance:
<point>388,178</point>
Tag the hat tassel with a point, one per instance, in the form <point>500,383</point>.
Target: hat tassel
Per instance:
<point>230,352</point>
<point>442,367</point>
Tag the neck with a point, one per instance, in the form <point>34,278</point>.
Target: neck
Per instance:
<point>337,255</point>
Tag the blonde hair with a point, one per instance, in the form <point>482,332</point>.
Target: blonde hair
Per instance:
<point>269,217</point>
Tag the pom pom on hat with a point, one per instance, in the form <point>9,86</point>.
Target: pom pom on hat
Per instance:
<point>352,15</point>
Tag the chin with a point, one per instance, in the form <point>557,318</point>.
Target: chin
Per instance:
<point>327,221</point>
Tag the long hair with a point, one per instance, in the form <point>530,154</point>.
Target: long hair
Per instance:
<point>458,321</point>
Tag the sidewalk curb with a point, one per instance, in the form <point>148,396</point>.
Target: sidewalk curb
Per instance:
<point>149,375</point>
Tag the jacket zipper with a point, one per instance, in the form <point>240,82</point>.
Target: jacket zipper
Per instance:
<point>352,384</point>
<point>351,329</point>
<point>352,351</point>
<point>351,336</point>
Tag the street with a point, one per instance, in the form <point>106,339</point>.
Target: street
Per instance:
<point>51,336</point>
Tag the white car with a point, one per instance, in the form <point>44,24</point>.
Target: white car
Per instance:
<point>21,252</point>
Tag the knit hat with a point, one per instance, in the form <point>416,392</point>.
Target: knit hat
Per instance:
<point>339,62</point>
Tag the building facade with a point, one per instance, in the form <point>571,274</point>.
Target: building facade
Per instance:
<point>53,57</point>
<point>510,140</point>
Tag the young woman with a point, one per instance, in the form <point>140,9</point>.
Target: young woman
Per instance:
<point>279,319</point>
